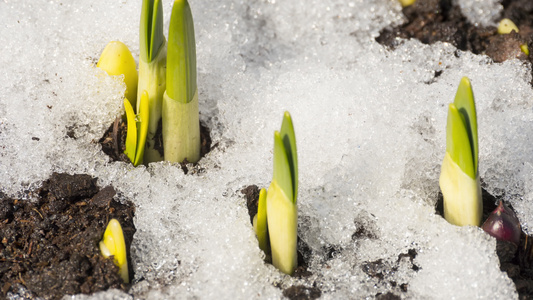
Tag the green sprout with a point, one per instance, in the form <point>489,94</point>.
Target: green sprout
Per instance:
<point>278,222</point>
<point>113,244</point>
<point>459,178</point>
<point>116,59</point>
<point>260,223</point>
<point>406,3</point>
<point>152,70</point>
<point>180,113</point>
<point>507,26</point>
<point>137,129</point>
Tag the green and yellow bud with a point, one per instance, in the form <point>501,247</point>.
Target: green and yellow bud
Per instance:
<point>406,3</point>
<point>507,26</point>
<point>180,114</point>
<point>116,59</point>
<point>459,178</point>
<point>152,70</point>
<point>113,244</point>
<point>282,209</point>
<point>260,223</point>
<point>137,129</point>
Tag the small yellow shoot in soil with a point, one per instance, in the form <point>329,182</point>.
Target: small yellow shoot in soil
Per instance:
<point>406,3</point>
<point>113,244</point>
<point>152,70</point>
<point>116,59</point>
<point>137,129</point>
<point>282,209</point>
<point>506,26</point>
<point>459,178</point>
<point>180,114</point>
<point>260,223</point>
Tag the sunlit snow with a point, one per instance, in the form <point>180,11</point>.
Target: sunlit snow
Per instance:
<point>370,130</point>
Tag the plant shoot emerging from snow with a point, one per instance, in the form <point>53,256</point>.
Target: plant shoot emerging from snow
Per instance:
<point>459,178</point>
<point>181,124</point>
<point>276,221</point>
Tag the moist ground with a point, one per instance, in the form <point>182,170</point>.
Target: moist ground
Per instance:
<point>431,21</point>
<point>50,244</point>
<point>114,141</point>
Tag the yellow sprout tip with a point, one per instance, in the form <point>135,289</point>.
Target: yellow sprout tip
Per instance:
<point>113,244</point>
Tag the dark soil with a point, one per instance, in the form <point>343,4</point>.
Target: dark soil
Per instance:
<point>517,261</point>
<point>50,245</point>
<point>297,292</point>
<point>114,141</point>
<point>431,21</point>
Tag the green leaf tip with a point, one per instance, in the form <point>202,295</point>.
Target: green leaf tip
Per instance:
<point>151,29</point>
<point>131,136</point>
<point>260,222</point>
<point>467,123</point>
<point>458,143</point>
<point>181,54</point>
<point>289,142</point>
<point>282,171</point>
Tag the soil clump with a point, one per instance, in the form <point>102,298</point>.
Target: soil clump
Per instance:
<point>49,244</point>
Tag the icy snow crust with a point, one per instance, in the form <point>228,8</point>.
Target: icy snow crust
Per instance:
<point>370,129</point>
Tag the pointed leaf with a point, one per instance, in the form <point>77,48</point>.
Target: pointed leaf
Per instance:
<point>282,172</point>
<point>131,137</point>
<point>464,102</point>
<point>458,142</point>
<point>144,118</point>
<point>289,142</point>
<point>181,54</point>
<point>261,226</point>
<point>151,35</point>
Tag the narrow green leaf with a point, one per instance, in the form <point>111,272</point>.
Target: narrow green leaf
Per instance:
<point>464,102</point>
<point>458,142</point>
<point>289,142</point>
<point>151,35</point>
<point>282,172</point>
<point>261,226</point>
<point>181,54</point>
<point>144,116</point>
<point>131,137</point>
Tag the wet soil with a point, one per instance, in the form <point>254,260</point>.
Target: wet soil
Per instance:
<point>431,21</point>
<point>49,245</point>
<point>114,141</point>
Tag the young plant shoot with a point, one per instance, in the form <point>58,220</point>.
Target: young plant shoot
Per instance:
<point>113,244</point>
<point>137,129</point>
<point>260,223</point>
<point>459,178</point>
<point>282,210</point>
<point>116,59</point>
<point>506,26</point>
<point>181,125</point>
<point>152,70</point>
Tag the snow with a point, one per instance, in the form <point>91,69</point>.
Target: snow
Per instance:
<point>370,130</point>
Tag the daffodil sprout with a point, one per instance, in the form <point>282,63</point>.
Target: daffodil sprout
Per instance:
<point>152,71</point>
<point>137,129</point>
<point>113,244</point>
<point>260,223</point>
<point>406,3</point>
<point>507,26</point>
<point>281,204</point>
<point>116,59</point>
<point>459,178</point>
<point>181,125</point>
